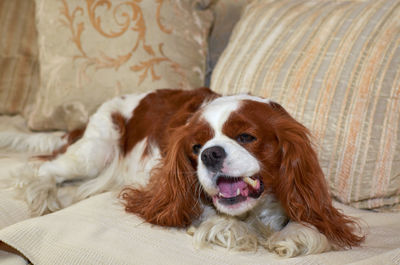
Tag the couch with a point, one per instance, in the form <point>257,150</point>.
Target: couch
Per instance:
<point>334,65</point>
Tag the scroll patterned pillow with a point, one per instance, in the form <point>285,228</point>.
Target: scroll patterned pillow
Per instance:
<point>335,65</point>
<point>92,50</point>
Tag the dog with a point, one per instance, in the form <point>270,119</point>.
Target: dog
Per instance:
<point>237,171</point>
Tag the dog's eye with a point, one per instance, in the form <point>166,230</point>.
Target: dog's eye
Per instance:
<point>196,148</point>
<point>245,138</point>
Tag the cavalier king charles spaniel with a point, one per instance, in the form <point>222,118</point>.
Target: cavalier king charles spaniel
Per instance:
<point>237,171</point>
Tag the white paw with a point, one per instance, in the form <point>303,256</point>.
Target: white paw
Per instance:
<point>296,239</point>
<point>41,196</point>
<point>38,190</point>
<point>226,232</point>
<point>286,248</point>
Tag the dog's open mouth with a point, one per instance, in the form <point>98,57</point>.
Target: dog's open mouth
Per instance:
<point>234,190</point>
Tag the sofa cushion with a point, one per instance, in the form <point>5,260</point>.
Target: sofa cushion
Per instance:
<point>335,66</point>
<point>226,14</point>
<point>99,231</point>
<point>19,68</point>
<point>90,51</point>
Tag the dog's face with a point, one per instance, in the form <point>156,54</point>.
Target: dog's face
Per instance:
<point>236,151</point>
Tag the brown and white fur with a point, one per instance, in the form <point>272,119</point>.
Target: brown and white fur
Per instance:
<point>238,171</point>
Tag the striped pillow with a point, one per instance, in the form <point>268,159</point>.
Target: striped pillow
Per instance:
<point>335,65</point>
<point>19,69</point>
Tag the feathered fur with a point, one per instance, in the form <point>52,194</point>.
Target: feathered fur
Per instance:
<point>238,170</point>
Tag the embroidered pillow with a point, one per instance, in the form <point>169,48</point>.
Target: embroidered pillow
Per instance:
<point>93,50</point>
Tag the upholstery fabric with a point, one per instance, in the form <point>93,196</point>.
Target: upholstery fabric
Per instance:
<point>93,50</point>
<point>335,66</point>
<point>226,14</point>
<point>7,258</point>
<point>19,68</point>
<point>98,231</point>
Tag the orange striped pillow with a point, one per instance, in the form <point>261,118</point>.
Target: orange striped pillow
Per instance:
<point>335,65</point>
<point>19,69</point>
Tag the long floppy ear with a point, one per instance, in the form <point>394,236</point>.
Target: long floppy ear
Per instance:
<point>302,189</point>
<point>171,197</point>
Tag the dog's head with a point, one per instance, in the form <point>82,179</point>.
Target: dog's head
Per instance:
<point>234,151</point>
<point>240,160</point>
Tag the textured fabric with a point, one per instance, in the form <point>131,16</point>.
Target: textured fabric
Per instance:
<point>7,258</point>
<point>93,50</point>
<point>226,14</point>
<point>11,210</point>
<point>19,71</point>
<point>335,66</point>
<point>98,231</point>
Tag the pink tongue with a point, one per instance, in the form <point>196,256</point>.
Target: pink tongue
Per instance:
<point>228,187</point>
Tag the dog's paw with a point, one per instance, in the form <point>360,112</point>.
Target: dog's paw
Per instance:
<point>285,248</point>
<point>296,240</point>
<point>41,196</point>
<point>226,232</point>
<point>38,190</point>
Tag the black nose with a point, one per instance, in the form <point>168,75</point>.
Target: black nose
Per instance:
<point>213,157</point>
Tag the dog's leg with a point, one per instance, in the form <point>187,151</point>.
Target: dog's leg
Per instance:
<point>95,155</point>
<point>296,239</point>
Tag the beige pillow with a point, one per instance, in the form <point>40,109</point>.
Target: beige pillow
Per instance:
<point>335,65</point>
<point>19,68</point>
<point>91,51</point>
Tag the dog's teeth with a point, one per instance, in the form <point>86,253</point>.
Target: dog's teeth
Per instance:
<point>220,195</point>
<point>250,181</point>
<point>238,192</point>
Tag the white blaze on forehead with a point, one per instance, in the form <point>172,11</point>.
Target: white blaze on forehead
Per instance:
<point>217,112</point>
